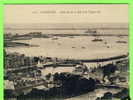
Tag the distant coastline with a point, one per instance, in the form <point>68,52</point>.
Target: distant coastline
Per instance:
<point>64,25</point>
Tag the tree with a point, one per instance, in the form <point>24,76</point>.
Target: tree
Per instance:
<point>108,70</point>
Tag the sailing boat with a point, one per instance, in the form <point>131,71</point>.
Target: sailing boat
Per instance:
<point>97,38</point>
<point>94,33</point>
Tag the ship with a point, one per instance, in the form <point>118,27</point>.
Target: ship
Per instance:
<point>121,42</point>
<point>97,40</point>
<point>94,33</point>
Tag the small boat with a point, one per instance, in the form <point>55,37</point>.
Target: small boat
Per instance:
<point>73,47</point>
<point>59,43</point>
<point>121,42</point>
<point>105,42</point>
<point>108,46</point>
<point>97,40</point>
<point>83,47</point>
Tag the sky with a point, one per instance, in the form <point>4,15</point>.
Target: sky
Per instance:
<point>89,13</point>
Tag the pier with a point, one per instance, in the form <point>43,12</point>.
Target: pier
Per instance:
<point>72,63</point>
